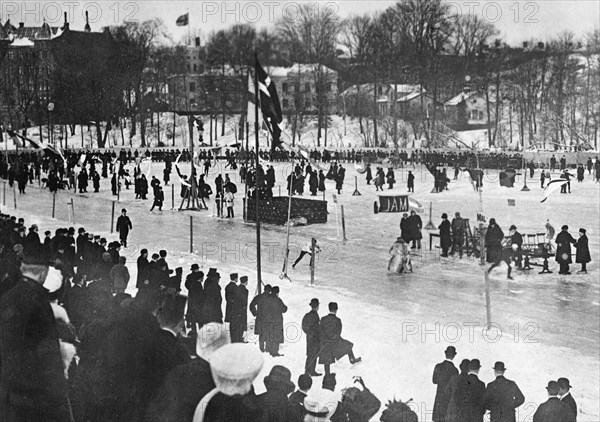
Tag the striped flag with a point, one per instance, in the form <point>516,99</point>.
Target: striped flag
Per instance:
<point>552,187</point>
<point>269,105</point>
<point>250,117</point>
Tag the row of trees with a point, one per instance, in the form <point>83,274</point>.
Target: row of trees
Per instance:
<point>542,96</point>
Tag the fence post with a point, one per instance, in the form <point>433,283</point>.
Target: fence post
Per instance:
<point>313,241</point>
<point>112,217</point>
<point>15,196</point>
<point>53,203</point>
<point>172,197</point>
<point>4,193</point>
<point>191,234</point>
<point>343,224</point>
<point>73,210</point>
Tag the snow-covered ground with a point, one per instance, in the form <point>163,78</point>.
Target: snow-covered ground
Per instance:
<point>545,326</point>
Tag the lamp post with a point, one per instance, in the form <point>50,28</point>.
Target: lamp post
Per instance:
<point>50,127</point>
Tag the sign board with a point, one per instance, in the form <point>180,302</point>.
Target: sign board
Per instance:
<point>397,203</point>
<point>512,203</point>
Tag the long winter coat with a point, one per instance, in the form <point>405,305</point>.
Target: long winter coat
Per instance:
<point>583,252</point>
<point>311,323</point>
<point>274,308</point>
<point>211,305</point>
<point>239,312</point>
<point>563,247</point>
<point>229,300</point>
<point>493,243</point>
<point>333,346</point>
<point>441,376</point>
<point>193,284</point>
<point>257,310</point>
<point>445,234</point>
<point>502,397</point>
<point>413,226</point>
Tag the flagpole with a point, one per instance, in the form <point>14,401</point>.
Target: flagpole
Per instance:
<point>258,181</point>
<point>287,240</point>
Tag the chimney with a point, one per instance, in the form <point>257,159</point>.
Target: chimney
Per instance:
<point>87,23</point>
<point>66,24</point>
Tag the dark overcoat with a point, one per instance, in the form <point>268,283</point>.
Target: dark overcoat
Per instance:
<point>333,347</point>
<point>563,247</point>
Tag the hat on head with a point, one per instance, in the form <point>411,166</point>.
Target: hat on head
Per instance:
<point>450,350</point>
<point>47,232</point>
<point>268,288</point>
<point>280,377</point>
<point>565,227</point>
<point>123,210</point>
<point>194,267</point>
<point>275,289</point>
<point>582,231</point>
<point>333,306</point>
<point>210,337</point>
<point>97,237</point>
<point>474,364</point>
<point>233,276</point>
<point>564,383</point>
<point>552,388</point>
<point>444,215</point>
<point>499,366</point>
<point>314,302</point>
<point>235,367</point>
<point>244,279</point>
<point>492,221</point>
<point>321,404</point>
<point>81,230</point>
<point>211,272</point>
<point>513,227</point>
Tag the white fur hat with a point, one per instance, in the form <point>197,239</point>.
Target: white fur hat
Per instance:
<point>211,337</point>
<point>320,405</point>
<point>235,367</point>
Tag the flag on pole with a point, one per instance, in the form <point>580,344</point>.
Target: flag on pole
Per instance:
<point>269,105</point>
<point>183,20</point>
<point>250,118</point>
<point>552,187</point>
<point>15,137</point>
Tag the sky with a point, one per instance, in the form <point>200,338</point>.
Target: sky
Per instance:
<point>517,20</point>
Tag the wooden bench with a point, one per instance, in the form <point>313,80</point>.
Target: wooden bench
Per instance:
<point>534,247</point>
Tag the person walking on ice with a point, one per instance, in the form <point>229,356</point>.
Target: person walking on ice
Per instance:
<point>307,250</point>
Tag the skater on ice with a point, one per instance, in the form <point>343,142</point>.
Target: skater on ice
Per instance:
<point>400,257</point>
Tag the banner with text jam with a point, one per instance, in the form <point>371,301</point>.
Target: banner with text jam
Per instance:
<point>391,203</point>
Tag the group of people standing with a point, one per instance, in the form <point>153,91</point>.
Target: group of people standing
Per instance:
<point>463,397</point>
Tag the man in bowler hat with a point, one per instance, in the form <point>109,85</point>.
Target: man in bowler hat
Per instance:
<point>442,373</point>
<point>502,396</point>
<point>311,323</point>
<point>470,395</point>
<point>564,387</point>
<point>553,409</point>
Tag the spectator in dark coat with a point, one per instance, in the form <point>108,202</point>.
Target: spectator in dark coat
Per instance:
<point>502,396</point>
<point>334,347</point>
<point>257,309</point>
<point>582,256</point>
<point>410,182</point>
<point>143,267</point>
<point>274,308</point>
<point>469,396</point>
<point>164,351</point>
<point>564,387</point>
<point>274,401</point>
<point>516,239</point>
<point>414,225</point>
<point>445,235</point>
<point>32,245</point>
<point>493,242</point>
<point>77,301</point>
<point>458,234</point>
<point>185,385</point>
<point>321,181</point>
<point>193,284</point>
<point>239,314</point>
<point>391,178</point>
<point>553,409</point>
<point>404,230</point>
<point>311,324</point>
<point>230,295</point>
<point>123,227</point>
<point>441,376</point>
<point>211,304</point>
<point>456,382</point>
<point>563,249</point>
<point>296,399</point>
<point>33,386</point>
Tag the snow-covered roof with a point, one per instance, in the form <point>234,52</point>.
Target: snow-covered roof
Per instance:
<point>463,96</point>
<point>408,97</point>
<point>283,72</point>
<point>22,42</point>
